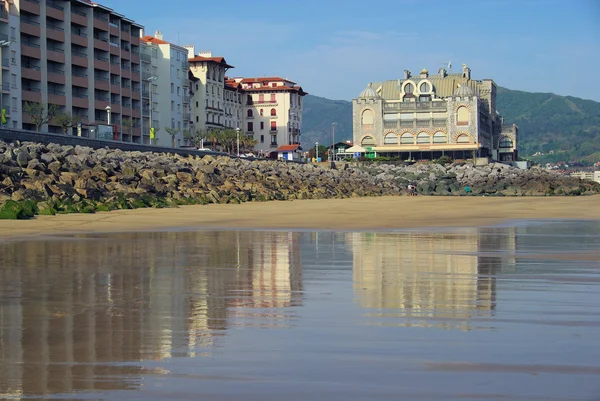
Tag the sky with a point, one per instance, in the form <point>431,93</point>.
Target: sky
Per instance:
<point>334,48</point>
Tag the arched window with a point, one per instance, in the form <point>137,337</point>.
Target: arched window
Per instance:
<point>261,112</point>
<point>464,138</point>
<point>423,137</point>
<point>462,116</point>
<point>440,137</point>
<point>407,138</point>
<point>425,87</point>
<point>368,141</point>
<point>273,112</point>
<point>250,114</point>
<point>506,142</point>
<point>390,139</point>
<point>409,89</point>
<point>367,117</point>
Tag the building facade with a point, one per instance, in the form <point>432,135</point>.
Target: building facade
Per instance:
<point>427,116</point>
<point>165,84</point>
<point>80,56</point>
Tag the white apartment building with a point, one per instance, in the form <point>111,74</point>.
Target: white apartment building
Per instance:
<point>80,56</point>
<point>272,113</point>
<point>208,104</point>
<point>165,84</point>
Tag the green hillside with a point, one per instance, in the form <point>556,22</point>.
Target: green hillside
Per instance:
<point>568,126</point>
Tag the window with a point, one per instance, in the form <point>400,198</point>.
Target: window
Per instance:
<point>261,98</point>
<point>250,114</point>
<point>172,70</point>
<point>440,137</point>
<point>197,119</point>
<point>273,125</point>
<point>13,33</point>
<point>273,98</point>
<point>13,57</point>
<point>196,104</point>
<point>172,88</point>
<point>178,108</point>
<point>409,88</point>
<point>172,105</point>
<point>390,139</point>
<point>425,87</point>
<point>178,56</point>
<point>423,137</point>
<point>407,138</point>
<point>273,112</point>
<point>462,116</point>
<point>178,71</point>
<point>14,104</point>
<point>261,112</point>
<point>464,138</point>
<point>367,118</point>
<point>178,89</point>
<point>249,99</point>
<point>197,86</point>
<point>368,141</point>
<point>250,126</point>
<point>262,125</point>
<point>273,139</point>
<point>262,139</point>
<point>506,142</point>
<point>274,84</point>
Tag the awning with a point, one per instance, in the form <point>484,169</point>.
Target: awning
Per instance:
<point>355,149</point>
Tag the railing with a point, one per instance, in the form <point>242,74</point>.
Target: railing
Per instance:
<point>3,13</point>
<point>415,106</point>
<point>80,95</point>
<point>101,58</point>
<point>116,100</point>
<point>78,32</point>
<point>115,62</point>
<point>146,57</point>
<point>187,116</point>
<point>77,53</point>
<point>186,99</point>
<point>31,89</point>
<point>4,61</point>
<point>55,28</point>
<point>126,86</point>
<point>146,74</point>
<point>114,25</point>
<point>100,78</point>
<point>29,21</point>
<point>146,111</point>
<point>103,98</point>
<point>101,17</point>
<point>56,92</point>
<point>33,1</point>
<point>390,124</point>
<point>56,49</point>
<point>56,70</point>
<point>81,13</point>
<point>5,85</point>
<point>113,44</point>
<point>146,93</point>
<point>55,6</point>
<point>273,144</point>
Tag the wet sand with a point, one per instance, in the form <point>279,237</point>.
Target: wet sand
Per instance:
<point>328,214</point>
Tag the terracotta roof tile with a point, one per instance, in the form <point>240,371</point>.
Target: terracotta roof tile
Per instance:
<point>218,60</point>
<point>152,39</point>
<point>287,148</point>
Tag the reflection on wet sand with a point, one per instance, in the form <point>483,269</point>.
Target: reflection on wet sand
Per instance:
<point>69,307</point>
<point>427,279</point>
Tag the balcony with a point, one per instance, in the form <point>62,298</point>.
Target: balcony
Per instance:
<point>31,6</point>
<point>273,145</point>
<point>79,80</point>
<point>30,94</point>
<point>55,33</point>
<point>55,10</point>
<point>135,94</point>
<point>125,54</point>
<point>79,38</point>
<point>115,88</point>
<point>58,77</point>
<point>101,44</point>
<point>409,106</point>
<point>146,58</point>
<point>33,73</point>
<point>100,21</point>
<point>57,97</point>
<point>146,94</point>
<point>31,27</point>
<point>101,63</point>
<point>114,49</point>
<point>125,72</point>
<point>3,14</point>
<point>187,116</point>
<point>31,49</point>
<point>79,59</point>
<point>55,54</point>
<point>78,17</point>
<point>101,83</point>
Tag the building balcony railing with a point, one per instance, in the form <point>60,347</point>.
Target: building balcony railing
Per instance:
<point>273,144</point>
<point>146,57</point>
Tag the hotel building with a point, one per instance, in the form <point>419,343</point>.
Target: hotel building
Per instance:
<point>80,56</point>
<point>427,116</point>
<point>164,80</point>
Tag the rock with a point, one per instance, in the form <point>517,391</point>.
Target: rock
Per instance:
<point>22,158</point>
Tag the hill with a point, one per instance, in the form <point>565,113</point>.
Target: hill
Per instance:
<point>567,126</point>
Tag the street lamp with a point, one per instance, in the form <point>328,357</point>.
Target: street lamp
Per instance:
<point>237,140</point>
<point>333,141</point>
<point>151,131</point>
<point>3,43</point>
<point>317,151</point>
<point>107,108</point>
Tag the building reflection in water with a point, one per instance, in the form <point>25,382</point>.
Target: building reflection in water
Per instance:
<point>71,307</point>
<point>428,279</point>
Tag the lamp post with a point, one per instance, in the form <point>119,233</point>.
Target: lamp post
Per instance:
<point>107,108</point>
<point>3,43</point>
<point>150,80</point>
<point>237,140</point>
<point>317,151</point>
<point>333,141</point>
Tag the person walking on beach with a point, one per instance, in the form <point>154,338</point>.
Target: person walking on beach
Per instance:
<point>411,190</point>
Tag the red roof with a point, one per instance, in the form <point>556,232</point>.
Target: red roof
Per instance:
<point>287,148</point>
<point>277,88</point>
<point>152,39</point>
<point>266,79</point>
<point>218,60</point>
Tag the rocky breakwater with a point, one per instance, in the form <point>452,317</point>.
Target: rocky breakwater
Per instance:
<point>494,179</point>
<point>50,179</point>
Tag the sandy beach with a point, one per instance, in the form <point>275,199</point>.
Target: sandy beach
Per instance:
<point>330,214</point>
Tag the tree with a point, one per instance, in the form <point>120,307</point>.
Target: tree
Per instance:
<point>127,125</point>
<point>38,114</point>
<point>173,132</point>
<point>66,121</point>
<point>248,143</point>
<point>195,138</point>
<point>214,136</point>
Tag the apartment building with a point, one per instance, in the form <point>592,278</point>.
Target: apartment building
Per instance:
<point>208,104</point>
<point>165,84</point>
<point>272,112</point>
<point>80,56</point>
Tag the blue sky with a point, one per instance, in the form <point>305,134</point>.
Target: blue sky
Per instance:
<point>333,48</point>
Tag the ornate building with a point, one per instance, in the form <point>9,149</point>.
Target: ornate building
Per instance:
<point>427,116</point>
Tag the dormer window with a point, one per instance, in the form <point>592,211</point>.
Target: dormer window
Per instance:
<point>425,87</point>
<point>409,89</point>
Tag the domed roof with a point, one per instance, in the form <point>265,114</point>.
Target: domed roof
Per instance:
<point>424,71</point>
<point>463,91</point>
<point>369,93</point>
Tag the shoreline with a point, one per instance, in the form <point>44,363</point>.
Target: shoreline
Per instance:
<point>385,213</point>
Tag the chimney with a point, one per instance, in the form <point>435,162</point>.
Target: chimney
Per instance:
<point>142,34</point>
<point>442,72</point>
<point>207,53</point>
<point>466,72</point>
<point>191,50</point>
<point>406,74</point>
<point>158,35</point>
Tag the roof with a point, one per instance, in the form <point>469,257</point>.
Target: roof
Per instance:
<point>369,93</point>
<point>265,79</point>
<point>443,86</point>
<point>298,89</point>
<point>287,148</point>
<point>218,60</point>
<point>152,39</point>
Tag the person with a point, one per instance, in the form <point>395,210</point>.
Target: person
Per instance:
<point>411,190</point>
